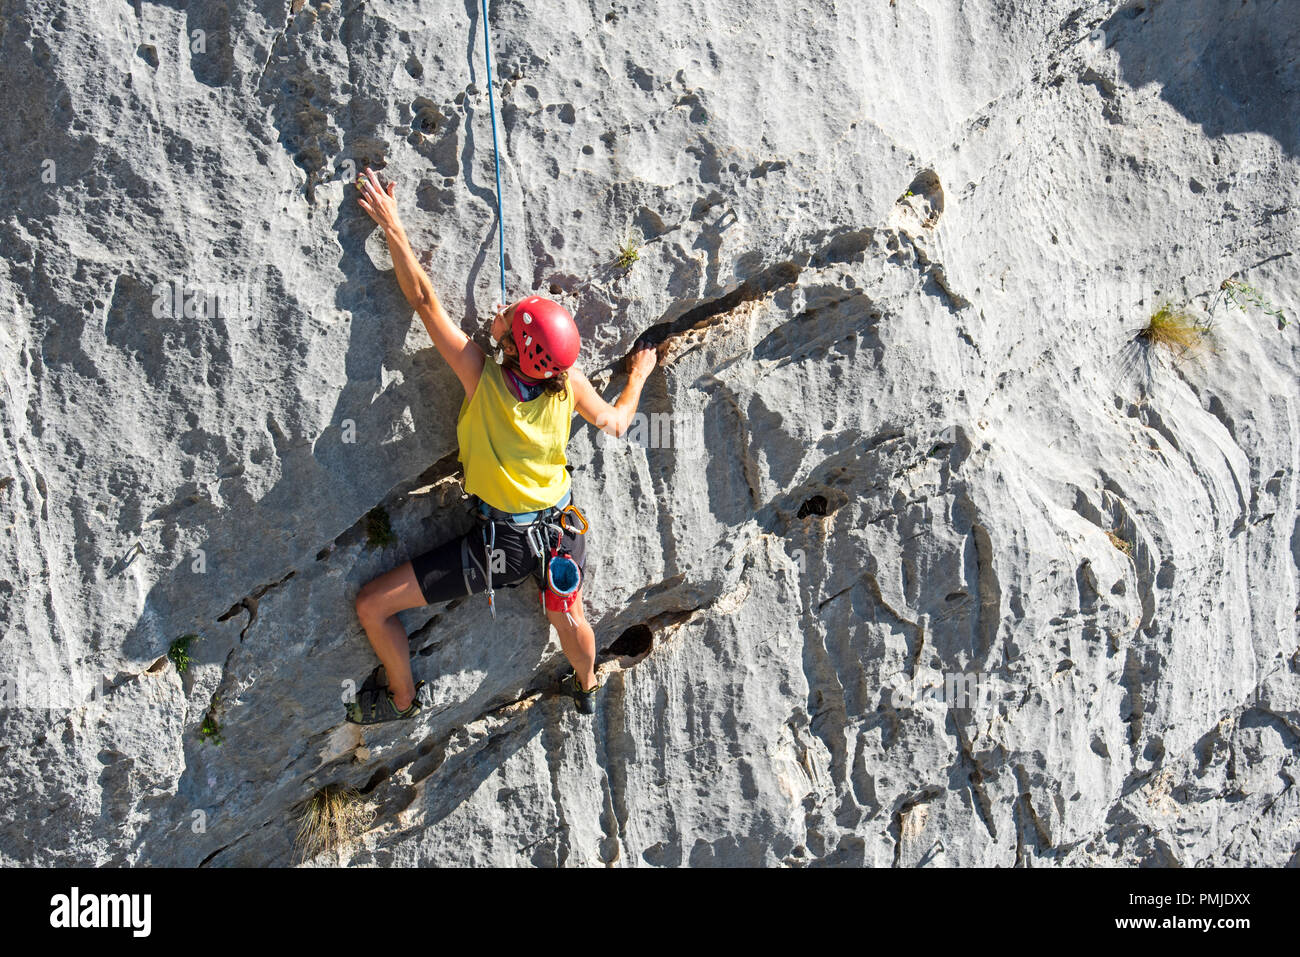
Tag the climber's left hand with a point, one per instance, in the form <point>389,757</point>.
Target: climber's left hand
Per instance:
<point>379,202</point>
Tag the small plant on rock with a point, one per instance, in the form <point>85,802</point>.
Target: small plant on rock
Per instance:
<point>1238,294</point>
<point>179,652</point>
<point>379,530</point>
<point>210,729</point>
<point>628,253</point>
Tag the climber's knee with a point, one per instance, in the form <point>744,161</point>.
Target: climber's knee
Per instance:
<point>369,602</point>
<point>377,600</point>
<point>383,597</point>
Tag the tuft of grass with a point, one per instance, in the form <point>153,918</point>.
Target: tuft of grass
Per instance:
<point>210,729</point>
<point>1120,543</point>
<point>332,817</point>
<point>379,530</point>
<point>1175,329</point>
<point>179,652</point>
<point>628,253</point>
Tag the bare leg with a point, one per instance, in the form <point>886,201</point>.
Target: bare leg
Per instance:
<point>377,605</point>
<point>578,641</point>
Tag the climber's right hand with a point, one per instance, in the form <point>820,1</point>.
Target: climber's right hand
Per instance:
<point>641,361</point>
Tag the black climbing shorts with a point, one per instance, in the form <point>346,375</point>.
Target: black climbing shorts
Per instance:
<point>440,571</point>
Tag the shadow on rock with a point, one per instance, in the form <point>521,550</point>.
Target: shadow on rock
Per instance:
<point>1229,67</point>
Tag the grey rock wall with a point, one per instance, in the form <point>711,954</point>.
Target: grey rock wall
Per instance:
<point>898,255</point>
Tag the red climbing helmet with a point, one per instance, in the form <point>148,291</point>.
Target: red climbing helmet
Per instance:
<point>545,335</point>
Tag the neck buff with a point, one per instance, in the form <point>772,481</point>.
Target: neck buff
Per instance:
<point>523,387</point>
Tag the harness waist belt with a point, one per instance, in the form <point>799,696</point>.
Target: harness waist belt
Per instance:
<point>521,518</point>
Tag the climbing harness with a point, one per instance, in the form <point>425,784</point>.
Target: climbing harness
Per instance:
<point>561,575</point>
<point>496,150</point>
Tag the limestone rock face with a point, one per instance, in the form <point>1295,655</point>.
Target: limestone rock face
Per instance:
<point>924,556</point>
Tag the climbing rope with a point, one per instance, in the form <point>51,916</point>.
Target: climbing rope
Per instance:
<point>496,151</point>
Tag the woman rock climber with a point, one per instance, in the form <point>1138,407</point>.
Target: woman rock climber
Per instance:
<point>513,428</point>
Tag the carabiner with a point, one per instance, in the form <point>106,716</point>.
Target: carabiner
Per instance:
<point>582,518</point>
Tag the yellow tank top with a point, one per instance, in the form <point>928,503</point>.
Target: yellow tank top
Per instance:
<point>512,451</point>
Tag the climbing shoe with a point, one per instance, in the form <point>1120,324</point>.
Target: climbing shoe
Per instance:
<point>374,705</point>
<point>584,701</point>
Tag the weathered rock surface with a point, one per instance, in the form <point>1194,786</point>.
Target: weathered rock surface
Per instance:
<point>899,253</point>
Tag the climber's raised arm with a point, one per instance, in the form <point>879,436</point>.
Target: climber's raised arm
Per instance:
<point>614,419</point>
<point>464,357</point>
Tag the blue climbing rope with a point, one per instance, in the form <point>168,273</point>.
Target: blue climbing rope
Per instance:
<point>496,151</point>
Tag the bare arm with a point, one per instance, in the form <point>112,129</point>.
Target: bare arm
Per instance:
<point>617,418</point>
<point>464,357</point>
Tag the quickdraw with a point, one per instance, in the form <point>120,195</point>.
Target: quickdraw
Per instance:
<point>488,530</point>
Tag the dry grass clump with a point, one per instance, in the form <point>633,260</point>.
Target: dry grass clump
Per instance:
<point>1175,329</point>
<point>332,817</point>
<point>1120,543</point>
